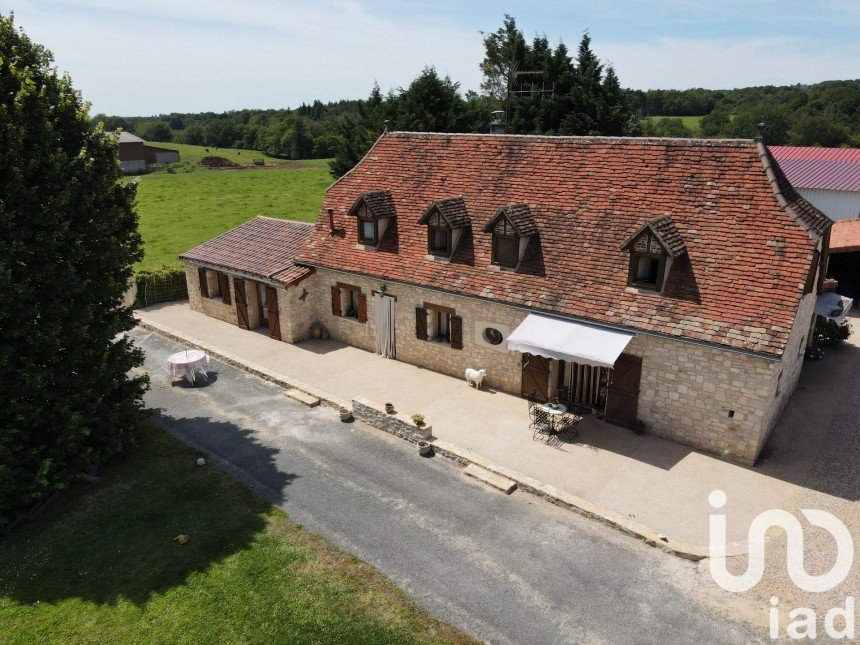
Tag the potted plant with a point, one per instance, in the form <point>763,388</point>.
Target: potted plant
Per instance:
<point>423,429</point>
<point>345,414</point>
<point>389,408</point>
<point>424,447</point>
<point>554,403</point>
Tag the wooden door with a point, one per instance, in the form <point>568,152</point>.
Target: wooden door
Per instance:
<point>622,400</point>
<point>273,313</point>
<point>241,303</point>
<point>536,376</point>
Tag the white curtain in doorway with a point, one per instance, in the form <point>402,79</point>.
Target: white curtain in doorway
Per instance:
<point>385,337</point>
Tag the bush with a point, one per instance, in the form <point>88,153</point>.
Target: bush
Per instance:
<point>165,284</point>
<point>828,333</point>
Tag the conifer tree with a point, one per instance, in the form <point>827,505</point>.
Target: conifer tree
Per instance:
<point>68,238</point>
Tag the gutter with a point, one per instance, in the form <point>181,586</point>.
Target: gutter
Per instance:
<point>701,343</point>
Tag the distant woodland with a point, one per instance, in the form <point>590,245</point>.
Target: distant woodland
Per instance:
<point>539,89</point>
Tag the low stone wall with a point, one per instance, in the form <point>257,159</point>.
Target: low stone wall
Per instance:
<point>396,424</point>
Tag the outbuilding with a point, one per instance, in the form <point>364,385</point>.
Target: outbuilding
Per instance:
<point>247,277</point>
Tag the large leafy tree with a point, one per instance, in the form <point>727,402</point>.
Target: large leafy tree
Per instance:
<point>68,237</point>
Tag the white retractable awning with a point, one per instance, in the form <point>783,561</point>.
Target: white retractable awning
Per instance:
<point>832,305</point>
<point>568,341</point>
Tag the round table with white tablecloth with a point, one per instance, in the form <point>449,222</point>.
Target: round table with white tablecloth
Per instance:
<point>188,363</point>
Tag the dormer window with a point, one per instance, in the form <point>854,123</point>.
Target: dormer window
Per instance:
<point>647,263</point>
<point>512,227</point>
<point>652,249</point>
<point>445,220</point>
<point>367,227</point>
<point>506,245</point>
<point>373,212</point>
<point>439,240</point>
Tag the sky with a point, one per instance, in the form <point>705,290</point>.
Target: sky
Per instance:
<point>158,56</point>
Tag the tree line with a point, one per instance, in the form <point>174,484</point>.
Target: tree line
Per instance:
<point>539,89</point>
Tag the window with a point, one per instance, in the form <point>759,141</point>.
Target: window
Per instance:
<point>506,245</point>
<point>493,336</point>
<point>367,231</point>
<point>347,301</point>
<point>351,304</point>
<point>439,240</point>
<point>647,262</point>
<point>214,284</point>
<point>439,324</point>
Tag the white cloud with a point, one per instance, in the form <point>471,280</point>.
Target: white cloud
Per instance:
<point>195,55</point>
<point>216,55</point>
<point>725,63</point>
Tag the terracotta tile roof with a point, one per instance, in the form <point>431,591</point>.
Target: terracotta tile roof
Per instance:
<point>665,230</point>
<point>824,168</point>
<point>263,247</point>
<point>738,285</point>
<point>379,204</point>
<point>845,236</point>
<point>519,215</point>
<point>453,210</point>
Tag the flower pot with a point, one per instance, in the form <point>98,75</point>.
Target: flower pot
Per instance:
<point>389,408</point>
<point>424,430</point>
<point>424,447</point>
<point>316,330</point>
<point>324,335</point>
<point>345,414</point>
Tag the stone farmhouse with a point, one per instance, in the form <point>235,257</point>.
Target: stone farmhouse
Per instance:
<point>668,283</point>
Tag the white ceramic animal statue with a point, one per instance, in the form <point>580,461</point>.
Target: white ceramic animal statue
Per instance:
<point>475,376</point>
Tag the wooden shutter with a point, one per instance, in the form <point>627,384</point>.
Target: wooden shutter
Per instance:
<point>273,313</point>
<point>204,283</point>
<point>224,287</point>
<point>362,308</point>
<point>420,323</point>
<point>335,301</point>
<point>456,332</point>
<point>622,400</point>
<point>241,303</point>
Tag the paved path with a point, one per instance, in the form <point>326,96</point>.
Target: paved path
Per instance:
<point>506,569</point>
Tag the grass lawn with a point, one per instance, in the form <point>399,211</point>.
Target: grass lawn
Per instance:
<point>691,122</point>
<point>100,565</point>
<point>179,211</point>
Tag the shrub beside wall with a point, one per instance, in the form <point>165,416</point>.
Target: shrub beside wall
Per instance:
<point>165,284</point>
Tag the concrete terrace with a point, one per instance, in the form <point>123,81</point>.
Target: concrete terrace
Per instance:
<point>658,483</point>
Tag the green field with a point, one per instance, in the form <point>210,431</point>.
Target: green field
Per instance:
<point>182,209</point>
<point>194,154</point>
<point>691,122</point>
<point>100,565</point>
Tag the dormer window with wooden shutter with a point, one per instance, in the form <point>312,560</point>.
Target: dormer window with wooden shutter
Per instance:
<point>374,212</point>
<point>445,220</point>
<point>511,227</point>
<point>652,249</point>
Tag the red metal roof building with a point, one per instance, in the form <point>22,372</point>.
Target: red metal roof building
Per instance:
<point>827,177</point>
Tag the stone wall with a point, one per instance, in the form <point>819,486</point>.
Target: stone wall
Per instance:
<point>791,364</point>
<point>705,397</point>
<point>395,423</point>
<point>711,399</point>
<point>214,307</point>
<point>503,366</point>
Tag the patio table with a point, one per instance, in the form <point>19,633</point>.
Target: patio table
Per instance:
<point>553,412</point>
<point>188,363</point>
